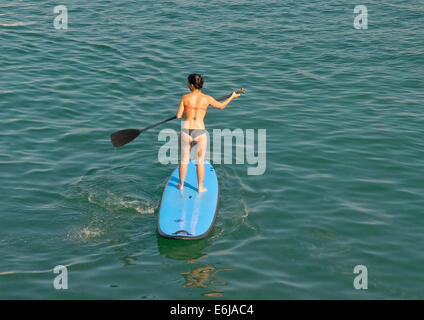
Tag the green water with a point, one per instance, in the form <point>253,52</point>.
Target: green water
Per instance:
<point>344,120</point>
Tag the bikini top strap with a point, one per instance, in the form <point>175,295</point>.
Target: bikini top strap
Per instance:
<point>194,108</point>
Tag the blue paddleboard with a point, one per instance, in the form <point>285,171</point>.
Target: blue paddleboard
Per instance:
<point>187,214</point>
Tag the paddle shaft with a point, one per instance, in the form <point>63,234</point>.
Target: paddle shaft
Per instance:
<point>175,117</point>
<point>156,124</point>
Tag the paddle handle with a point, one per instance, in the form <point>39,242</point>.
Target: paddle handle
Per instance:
<point>229,95</point>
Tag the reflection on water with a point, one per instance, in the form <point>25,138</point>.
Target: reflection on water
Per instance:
<point>201,274</point>
<point>323,242</point>
<point>128,260</point>
<point>205,277</point>
<point>181,249</point>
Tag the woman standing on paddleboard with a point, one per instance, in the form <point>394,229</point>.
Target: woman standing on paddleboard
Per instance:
<point>193,107</point>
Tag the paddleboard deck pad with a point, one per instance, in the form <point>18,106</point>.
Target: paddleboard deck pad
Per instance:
<point>187,214</point>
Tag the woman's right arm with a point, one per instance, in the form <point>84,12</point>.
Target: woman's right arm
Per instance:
<point>180,109</point>
<point>221,105</point>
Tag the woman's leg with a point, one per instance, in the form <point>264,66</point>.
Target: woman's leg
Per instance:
<point>201,144</point>
<point>185,142</point>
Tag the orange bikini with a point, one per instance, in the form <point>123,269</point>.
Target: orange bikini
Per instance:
<point>194,108</point>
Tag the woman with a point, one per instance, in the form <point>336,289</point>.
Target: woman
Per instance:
<point>193,106</point>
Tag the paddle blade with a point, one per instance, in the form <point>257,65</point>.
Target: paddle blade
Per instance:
<point>119,138</point>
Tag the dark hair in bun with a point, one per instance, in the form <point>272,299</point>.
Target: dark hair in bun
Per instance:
<point>196,80</point>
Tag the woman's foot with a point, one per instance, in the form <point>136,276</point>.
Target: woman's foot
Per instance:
<point>202,189</point>
<point>180,186</point>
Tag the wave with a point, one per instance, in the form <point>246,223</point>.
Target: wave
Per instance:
<point>17,24</point>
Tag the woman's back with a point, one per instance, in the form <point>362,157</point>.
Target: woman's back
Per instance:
<point>195,107</point>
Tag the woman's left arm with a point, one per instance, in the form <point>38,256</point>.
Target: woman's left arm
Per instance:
<point>180,109</point>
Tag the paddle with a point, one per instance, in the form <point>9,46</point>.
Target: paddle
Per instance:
<point>121,137</point>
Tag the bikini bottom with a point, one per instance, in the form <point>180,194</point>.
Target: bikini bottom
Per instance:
<point>194,133</point>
